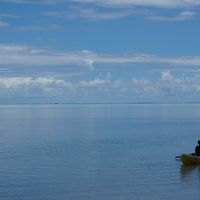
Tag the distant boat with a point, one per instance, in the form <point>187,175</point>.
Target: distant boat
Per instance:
<point>188,159</point>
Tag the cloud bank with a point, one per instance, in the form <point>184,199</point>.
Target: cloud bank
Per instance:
<point>18,59</point>
<point>152,3</point>
<point>106,88</point>
<point>30,72</point>
<point>115,9</point>
<point>147,3</point>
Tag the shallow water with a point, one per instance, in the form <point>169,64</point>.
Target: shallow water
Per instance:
<point>101,152</point>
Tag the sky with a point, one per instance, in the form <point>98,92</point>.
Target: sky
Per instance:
<point>92,51</point>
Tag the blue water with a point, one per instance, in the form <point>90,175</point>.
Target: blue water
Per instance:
<point>101,152</point>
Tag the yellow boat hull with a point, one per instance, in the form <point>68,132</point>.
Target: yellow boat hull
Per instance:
<point>190,160</point>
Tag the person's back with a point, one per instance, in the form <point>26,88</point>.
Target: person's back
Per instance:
<point>197,149</point>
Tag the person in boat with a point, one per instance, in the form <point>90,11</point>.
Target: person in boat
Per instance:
<point>197,149</point>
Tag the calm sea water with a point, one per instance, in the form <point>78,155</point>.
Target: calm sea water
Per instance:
<point>101,152</point>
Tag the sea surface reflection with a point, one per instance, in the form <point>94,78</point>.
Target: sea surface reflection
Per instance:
<point>101,152</point>
<point>187,171</point>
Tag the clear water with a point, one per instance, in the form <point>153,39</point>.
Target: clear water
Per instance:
<point>101,152</point>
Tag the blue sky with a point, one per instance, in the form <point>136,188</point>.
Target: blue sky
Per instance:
<point>99,51</point>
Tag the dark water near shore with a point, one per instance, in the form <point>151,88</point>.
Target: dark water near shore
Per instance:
<point>101,152</point>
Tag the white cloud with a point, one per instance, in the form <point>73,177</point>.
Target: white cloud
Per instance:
<point>34,61</point>
<point>7,15</point>
<point>19,82</point>
<point>115,9</point>
<point>34,1</point>
<point>124,8</point>
<point>29,87</point>
<point>186,15</point>
<point>148,3</point>
<point>166,86</point>
<point>37,27</point>
<point>97,13</point>
<point>166,75</point>
<point>90,13</point>
<point>4,24</point>
<point>97,82</point>
<point>151,3</point>
<point>14,55</point>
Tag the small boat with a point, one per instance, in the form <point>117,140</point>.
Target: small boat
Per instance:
<point>188,159</point>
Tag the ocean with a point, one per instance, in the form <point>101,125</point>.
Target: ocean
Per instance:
<point>98,152</point>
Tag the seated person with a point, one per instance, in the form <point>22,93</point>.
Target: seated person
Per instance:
<point>197,149</point>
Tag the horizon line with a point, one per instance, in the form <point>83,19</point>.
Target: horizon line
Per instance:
<point>103,103</point>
